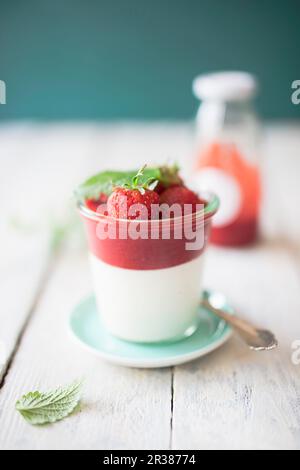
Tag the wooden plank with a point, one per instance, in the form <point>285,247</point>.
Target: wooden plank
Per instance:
<point>40,166</point>
<point>226,400</point>
<point>121,408</point>
<point>23,251</point>
<point>116,417</point>
<point>281,169</point>
<point>235,398</point>
<point>21,279</point>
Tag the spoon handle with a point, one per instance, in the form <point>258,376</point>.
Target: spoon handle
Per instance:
<point>232,320</point>
<point>257,339</point>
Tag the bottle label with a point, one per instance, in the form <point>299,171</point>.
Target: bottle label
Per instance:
<point>227,189</point>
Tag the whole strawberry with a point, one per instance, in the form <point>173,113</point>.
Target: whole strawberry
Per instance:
<point>121,202</point>
<point>169,177</point>
<point>180,195</point>
<point>93,204</point>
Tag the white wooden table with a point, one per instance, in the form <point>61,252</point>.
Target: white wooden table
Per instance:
<point>232,399</point>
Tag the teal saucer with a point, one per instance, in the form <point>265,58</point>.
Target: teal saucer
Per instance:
<point>87,328</point>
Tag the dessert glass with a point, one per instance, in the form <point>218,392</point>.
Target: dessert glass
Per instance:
<point>148,287</point>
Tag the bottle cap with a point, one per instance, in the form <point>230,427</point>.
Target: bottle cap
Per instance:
<point>225,86</point>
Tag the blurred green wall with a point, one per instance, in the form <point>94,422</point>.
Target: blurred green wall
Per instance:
<point>118,59</point>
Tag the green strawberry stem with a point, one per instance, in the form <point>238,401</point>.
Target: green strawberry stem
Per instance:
<point>142,186</point>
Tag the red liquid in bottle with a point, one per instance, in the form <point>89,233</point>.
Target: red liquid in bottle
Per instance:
<point>222,168</point>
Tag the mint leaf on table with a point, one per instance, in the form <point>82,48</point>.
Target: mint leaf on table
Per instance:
<point>42,408</point>
<point>103,182</point>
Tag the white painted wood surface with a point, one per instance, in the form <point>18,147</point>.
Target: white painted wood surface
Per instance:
<point>234,398</point>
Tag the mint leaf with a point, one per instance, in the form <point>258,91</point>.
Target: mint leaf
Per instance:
<point>100,183</point>
<point>42,408</point>
<point>103,182</point>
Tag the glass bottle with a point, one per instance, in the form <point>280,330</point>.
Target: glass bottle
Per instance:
<point>227,155</point>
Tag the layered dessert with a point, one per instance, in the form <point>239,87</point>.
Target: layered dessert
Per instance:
<point>146,233</point>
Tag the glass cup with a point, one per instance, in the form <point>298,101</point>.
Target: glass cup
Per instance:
<point>147,273</point>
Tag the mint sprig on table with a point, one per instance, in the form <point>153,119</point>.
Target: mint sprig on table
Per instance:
<point>104,182</point>
<point>41,408</point>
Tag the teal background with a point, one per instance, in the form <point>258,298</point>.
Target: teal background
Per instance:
<point>135,59</point>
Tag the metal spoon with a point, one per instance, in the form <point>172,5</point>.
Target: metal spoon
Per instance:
<point>256,338</point>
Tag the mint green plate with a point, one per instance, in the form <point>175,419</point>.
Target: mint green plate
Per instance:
<point>88,329</point>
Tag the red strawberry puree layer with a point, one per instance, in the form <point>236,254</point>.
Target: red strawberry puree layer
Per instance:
<point>145,254</point>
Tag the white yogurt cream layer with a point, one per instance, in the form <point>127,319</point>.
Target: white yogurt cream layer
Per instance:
<point>148,305</point>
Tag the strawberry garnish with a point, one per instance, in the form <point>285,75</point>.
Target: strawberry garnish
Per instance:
<point>120,203</point>
<point>169,177</point>
<point>122,199</point>
<point>93,204</point>
<point>180,195</point>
